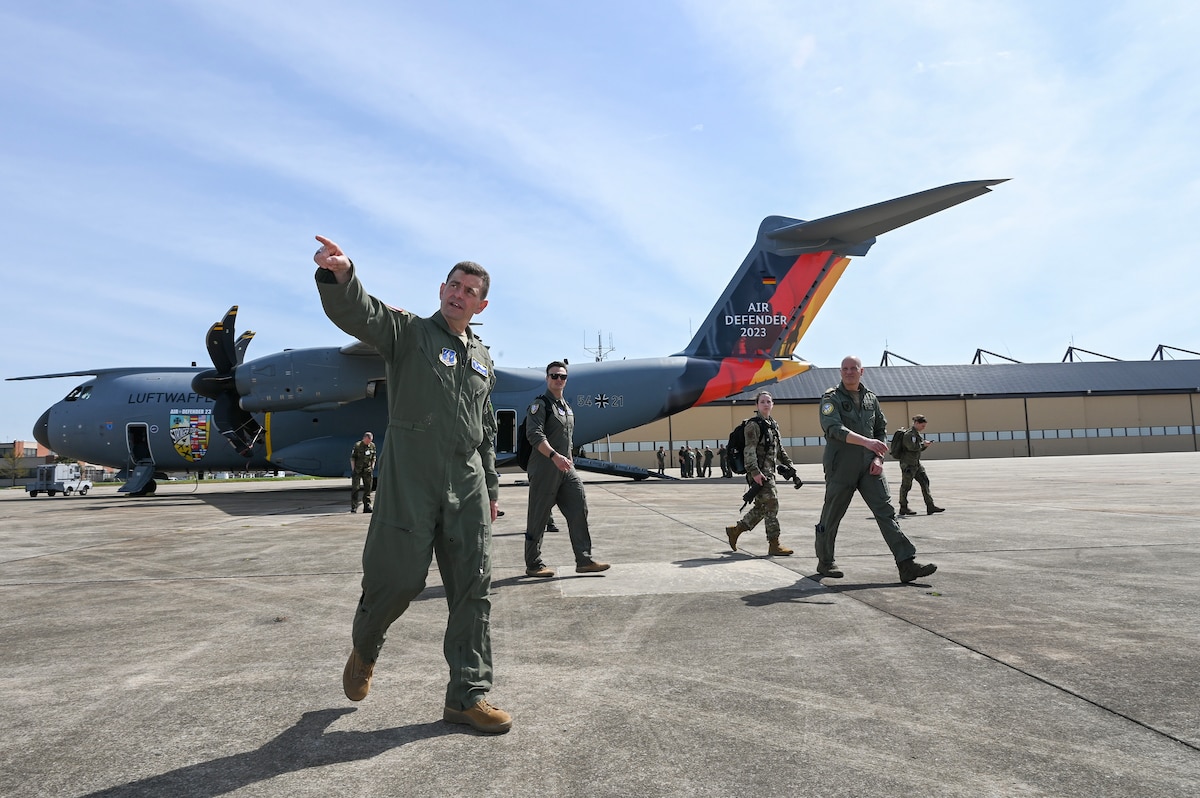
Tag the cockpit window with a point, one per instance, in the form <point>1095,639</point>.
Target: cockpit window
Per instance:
<point>81,392</point>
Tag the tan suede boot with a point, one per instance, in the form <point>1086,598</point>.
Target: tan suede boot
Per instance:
<point>733,533</point>
<point>356,677</point>
<point>482,717</point>
<point>777,549</point>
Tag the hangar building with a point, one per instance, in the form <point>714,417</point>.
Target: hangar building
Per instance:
<point>979,410</point>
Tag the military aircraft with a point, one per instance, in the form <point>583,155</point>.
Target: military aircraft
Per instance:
<point>302,410</point>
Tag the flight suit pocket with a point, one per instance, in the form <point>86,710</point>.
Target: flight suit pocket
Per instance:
<point>485,555</point>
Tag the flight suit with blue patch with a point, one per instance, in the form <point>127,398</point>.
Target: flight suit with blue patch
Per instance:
<point>847,469</point>
<point>437,477</point>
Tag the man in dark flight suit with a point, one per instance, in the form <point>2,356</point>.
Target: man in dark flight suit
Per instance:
<point>553,479</point>
<point>911,446</point>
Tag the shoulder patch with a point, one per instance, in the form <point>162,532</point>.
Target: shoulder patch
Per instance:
<point>827,408</point>
<point>535,408</point>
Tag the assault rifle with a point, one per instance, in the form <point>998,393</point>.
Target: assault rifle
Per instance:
<point>785,471</point>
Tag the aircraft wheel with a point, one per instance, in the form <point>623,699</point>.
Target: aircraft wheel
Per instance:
<point>151,486</point>
<point>33,494</point>
<point>83,491</point>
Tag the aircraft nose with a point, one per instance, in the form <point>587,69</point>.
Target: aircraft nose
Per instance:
<point>41,430</point>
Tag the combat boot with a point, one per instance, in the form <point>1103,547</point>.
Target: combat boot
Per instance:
<point>906,511</point>
<point>591,567</point>
<point>777,549</point>
<point>931,510</point>
<point>829,569</point>
<point>733,533</point>
<point>482,717</point>
<point>356,677</point>
<point>911,569</point>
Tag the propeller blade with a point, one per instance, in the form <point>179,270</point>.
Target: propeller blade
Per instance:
<point>211,384</point>
<point>221,347</point>
<point>239,427</point>
<point>243,341</point>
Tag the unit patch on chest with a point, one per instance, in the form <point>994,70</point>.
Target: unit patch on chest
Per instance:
<point>448,356</point>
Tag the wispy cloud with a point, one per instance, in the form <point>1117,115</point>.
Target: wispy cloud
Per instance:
<point>610,166</point>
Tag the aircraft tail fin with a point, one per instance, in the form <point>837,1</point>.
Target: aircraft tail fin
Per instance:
<point>770,303</point>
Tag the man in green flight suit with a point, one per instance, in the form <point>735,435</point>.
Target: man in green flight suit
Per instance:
<point>438,487</point>
<point>911,446</point>
<point>553,480</point>
<point>854,427</point>
<point>362,468</point>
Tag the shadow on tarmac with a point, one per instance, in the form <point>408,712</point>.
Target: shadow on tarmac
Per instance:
<point>308,744</point>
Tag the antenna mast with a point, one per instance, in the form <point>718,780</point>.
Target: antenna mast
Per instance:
<point>600,352</point>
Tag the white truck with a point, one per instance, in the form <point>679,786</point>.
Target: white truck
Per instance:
<point>64,478</point>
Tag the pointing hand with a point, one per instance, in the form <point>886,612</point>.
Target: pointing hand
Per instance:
<point>331,257</point>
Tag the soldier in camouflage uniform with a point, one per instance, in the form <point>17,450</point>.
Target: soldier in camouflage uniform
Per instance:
<point>362,468</point>
<point>854,427</point>
<point>763,452</point>
<point>438,487</point>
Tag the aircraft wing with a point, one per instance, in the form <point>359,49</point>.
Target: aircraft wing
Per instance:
<point>112,371</point>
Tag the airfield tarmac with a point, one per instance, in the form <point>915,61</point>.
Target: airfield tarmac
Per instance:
<point>191,644</point>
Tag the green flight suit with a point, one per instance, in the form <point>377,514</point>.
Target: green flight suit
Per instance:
<point>362,459</point>
<point>553,421</point>
<point>437,475</point>
<point>763,452</point>
<point>847,469</point>
<point>911,446</point>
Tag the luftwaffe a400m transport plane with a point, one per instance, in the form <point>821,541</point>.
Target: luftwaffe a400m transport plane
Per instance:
<point>302,410</point>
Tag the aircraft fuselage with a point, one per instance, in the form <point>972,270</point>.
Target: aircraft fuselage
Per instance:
<point>117,419</point>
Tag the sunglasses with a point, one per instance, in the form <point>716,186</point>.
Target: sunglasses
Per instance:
<point>557,376</point>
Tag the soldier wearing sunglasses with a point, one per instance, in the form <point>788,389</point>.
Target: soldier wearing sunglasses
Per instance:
<point>553,479</point>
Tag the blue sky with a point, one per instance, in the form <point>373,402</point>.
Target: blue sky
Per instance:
<point>608,163</point>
